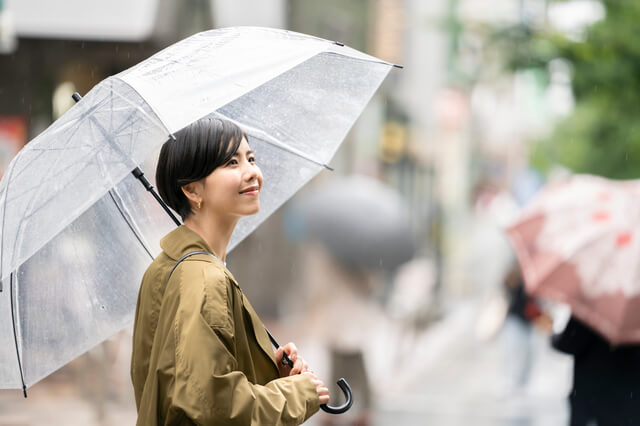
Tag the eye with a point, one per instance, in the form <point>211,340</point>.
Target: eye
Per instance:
<point>252,159</point>
<point>232,162</point>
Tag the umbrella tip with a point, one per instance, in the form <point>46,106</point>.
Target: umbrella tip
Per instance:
<point>24,390</point>
<point>338,43</point>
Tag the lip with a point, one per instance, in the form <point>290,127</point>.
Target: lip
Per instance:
<point>252,190</point>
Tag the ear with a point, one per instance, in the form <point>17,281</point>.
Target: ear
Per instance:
<point>193,192</point>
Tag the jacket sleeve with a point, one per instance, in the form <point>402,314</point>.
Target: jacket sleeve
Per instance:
<point>210,390</point>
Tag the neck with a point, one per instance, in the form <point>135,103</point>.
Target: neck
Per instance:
<point>215,231</point>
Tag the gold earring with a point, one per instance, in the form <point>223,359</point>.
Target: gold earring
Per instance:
<point>199,204</point>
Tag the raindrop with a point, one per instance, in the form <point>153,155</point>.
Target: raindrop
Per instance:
<point>103,307</point>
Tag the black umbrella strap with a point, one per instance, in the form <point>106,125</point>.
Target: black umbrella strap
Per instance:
<point>285,360</point>
<point>15,334</point>
<point>193,253</point>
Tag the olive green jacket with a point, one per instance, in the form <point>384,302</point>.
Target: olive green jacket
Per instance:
<point>201,355</point>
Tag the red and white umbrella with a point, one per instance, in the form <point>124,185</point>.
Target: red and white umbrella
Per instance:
<point>578,242</point>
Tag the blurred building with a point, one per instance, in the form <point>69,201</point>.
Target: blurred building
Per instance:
<point>449,124</point>
<point>71,45</point>
<point>433,130</point>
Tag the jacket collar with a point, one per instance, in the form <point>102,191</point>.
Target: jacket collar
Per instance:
<point>181,241</point>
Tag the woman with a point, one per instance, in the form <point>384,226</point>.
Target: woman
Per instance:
<point>200,353</point>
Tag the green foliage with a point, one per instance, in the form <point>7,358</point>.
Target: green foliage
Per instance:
<point>602,135</point>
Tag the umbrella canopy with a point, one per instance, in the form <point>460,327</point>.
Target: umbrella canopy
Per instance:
<point>577,243</point>
<point>361,221</point>
<point>77,229</point>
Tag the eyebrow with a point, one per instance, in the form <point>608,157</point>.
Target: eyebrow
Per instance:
<point>248,153</point>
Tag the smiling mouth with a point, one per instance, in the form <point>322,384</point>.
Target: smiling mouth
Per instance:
<point>251,190</point>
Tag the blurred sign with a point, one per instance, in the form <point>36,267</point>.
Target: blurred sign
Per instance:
<point>393,142</point>
<point>86,19</point>
<point>388,35</point>
<point>13,136</point>
<point>7,33</point>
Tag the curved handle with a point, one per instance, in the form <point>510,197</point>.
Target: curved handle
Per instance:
<point>346,389</point>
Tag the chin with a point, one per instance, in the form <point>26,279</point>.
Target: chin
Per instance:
<point>251,212</point>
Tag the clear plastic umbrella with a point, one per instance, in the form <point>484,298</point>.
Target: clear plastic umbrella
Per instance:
<point>78,229</point>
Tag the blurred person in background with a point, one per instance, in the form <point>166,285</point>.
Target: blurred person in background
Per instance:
<point>524,313</point>
<point>606,378</point>
<point>200,352</point>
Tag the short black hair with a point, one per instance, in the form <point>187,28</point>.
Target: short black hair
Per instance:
<point>196,151</point>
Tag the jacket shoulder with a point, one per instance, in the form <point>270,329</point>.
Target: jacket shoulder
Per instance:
<point>204,287</point>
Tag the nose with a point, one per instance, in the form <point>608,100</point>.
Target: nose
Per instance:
<point>251,172</point>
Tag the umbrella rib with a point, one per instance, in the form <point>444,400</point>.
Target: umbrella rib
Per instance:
<point>4,217</point>
<point>86,114</point>
<point>273,141</point>
<point>129,220</point>
<point>15,334</point>
<point>94,151</point>
<point>74,129</point>
<point>372,61</point>
<point>9,176</point>
<point>109,141</point>
<point>160,120</point>
<point>117,200</point>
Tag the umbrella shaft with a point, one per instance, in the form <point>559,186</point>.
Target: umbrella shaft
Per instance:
<point>285,358</point>
<point>140,176</point>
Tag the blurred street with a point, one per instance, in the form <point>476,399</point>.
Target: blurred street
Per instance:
<point>457,381</point>
<point>397,269</point>
<point>464,384</point>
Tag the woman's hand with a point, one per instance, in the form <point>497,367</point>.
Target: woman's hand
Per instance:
<point>321,389</point>
<point>300,367</point>
<point>299,364</point>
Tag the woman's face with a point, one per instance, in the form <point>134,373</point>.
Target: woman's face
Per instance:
<point>234,188</point>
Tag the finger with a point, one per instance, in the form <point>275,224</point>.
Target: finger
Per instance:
<point>292,350</point>
<point>324,399</point>
<point>317,383</point>
<point>322,391</point>
<point>297,367</point>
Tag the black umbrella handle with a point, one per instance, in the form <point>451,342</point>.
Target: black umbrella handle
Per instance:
<point>346,390</point>
<point>342,383</point>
